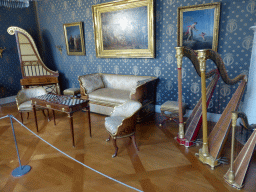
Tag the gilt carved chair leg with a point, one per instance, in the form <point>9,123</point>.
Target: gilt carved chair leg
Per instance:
<point>134,142</point>
<point>116,148</point>
<point>108,139</point>
<point>27,115</point>
<point>21,117</point>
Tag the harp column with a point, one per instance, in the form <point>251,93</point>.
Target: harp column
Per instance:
<point>231,176</point>
<point>202,62</point>
<point>179,55</point>
<point>204,155</point>
<point>250,96</point>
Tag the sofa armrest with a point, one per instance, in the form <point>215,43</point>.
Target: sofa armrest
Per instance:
<point>144,90</point>
<point>83,93</point>
<point>82,90</point>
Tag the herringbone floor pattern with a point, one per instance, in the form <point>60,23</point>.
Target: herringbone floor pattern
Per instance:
<point>160,165</point>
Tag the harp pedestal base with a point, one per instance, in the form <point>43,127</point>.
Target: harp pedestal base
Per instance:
<point>209,160</point>
<point>232,183</point>
<point>184,142</point>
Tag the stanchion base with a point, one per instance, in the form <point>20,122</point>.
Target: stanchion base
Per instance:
<point>19,171</point>
<point>184,142</point>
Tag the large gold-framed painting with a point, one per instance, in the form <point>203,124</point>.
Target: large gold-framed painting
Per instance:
<point>74,38</point>
<point>198,26</point>
<point>124,29</point>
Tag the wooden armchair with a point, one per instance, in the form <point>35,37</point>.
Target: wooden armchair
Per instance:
<point>23,100</point>
<point>122,122</point>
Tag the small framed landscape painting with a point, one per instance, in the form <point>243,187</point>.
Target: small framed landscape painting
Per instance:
<point>74,38</point>
<point>198,26</point>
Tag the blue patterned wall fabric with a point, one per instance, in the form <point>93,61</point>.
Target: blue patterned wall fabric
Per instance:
<point>235,43</point>
<point>10,72</point>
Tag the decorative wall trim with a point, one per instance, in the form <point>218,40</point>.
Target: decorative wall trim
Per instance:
<point>7,100</point>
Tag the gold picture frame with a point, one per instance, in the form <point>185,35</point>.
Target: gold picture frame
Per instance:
<point>124,29</point>
<point>198,26</point>
<point>74,38</point>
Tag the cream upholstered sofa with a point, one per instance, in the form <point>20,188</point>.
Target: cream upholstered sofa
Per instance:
<point>105,91</point>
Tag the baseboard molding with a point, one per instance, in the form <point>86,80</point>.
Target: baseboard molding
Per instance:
<point>7,100</point>
<point>210,116</point>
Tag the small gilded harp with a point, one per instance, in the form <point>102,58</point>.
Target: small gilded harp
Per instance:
<point>34,71</point>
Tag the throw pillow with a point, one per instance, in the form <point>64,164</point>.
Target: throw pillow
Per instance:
<point>92,82</point>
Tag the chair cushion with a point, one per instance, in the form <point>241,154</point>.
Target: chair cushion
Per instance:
<point>25,94</point>
<point>26,106</point>
<point>92,82</point>
<point>112,123</point>
<point>109,95</point>
<point>172,106</point>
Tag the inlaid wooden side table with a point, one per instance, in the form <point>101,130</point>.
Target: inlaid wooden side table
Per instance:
<point>63,103</point>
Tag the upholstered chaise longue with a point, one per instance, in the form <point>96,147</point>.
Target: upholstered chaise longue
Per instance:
<point>105,91</point>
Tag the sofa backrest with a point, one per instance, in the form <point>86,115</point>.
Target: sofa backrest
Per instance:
<point>123,82</point>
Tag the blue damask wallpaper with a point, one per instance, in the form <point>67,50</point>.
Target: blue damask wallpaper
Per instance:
<point>10,73</point>
<point>235,43</point>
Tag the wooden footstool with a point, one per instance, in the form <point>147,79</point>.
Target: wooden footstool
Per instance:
<point>72,91</point>
<point>170,110</point>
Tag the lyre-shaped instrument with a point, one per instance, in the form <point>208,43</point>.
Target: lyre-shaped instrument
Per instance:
<point>212,145</point>
<point>194,122</point>
<point>34,72</point>
<point>238,168</point>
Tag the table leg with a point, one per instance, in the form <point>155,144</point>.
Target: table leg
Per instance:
<point>89,118</point>
<point>21,117</point>
<point>53,113</point>
<point>34,109</point>
<point>71,128</point>
<point>48,115</point>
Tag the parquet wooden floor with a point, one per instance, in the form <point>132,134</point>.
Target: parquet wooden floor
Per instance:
<point>160,165</point>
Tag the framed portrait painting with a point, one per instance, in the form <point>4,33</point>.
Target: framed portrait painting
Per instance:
<point>74,38</point>
<point>198,26</point>
<point>124,29</point>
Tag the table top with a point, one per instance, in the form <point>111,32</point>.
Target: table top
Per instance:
<point>63,103</point>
